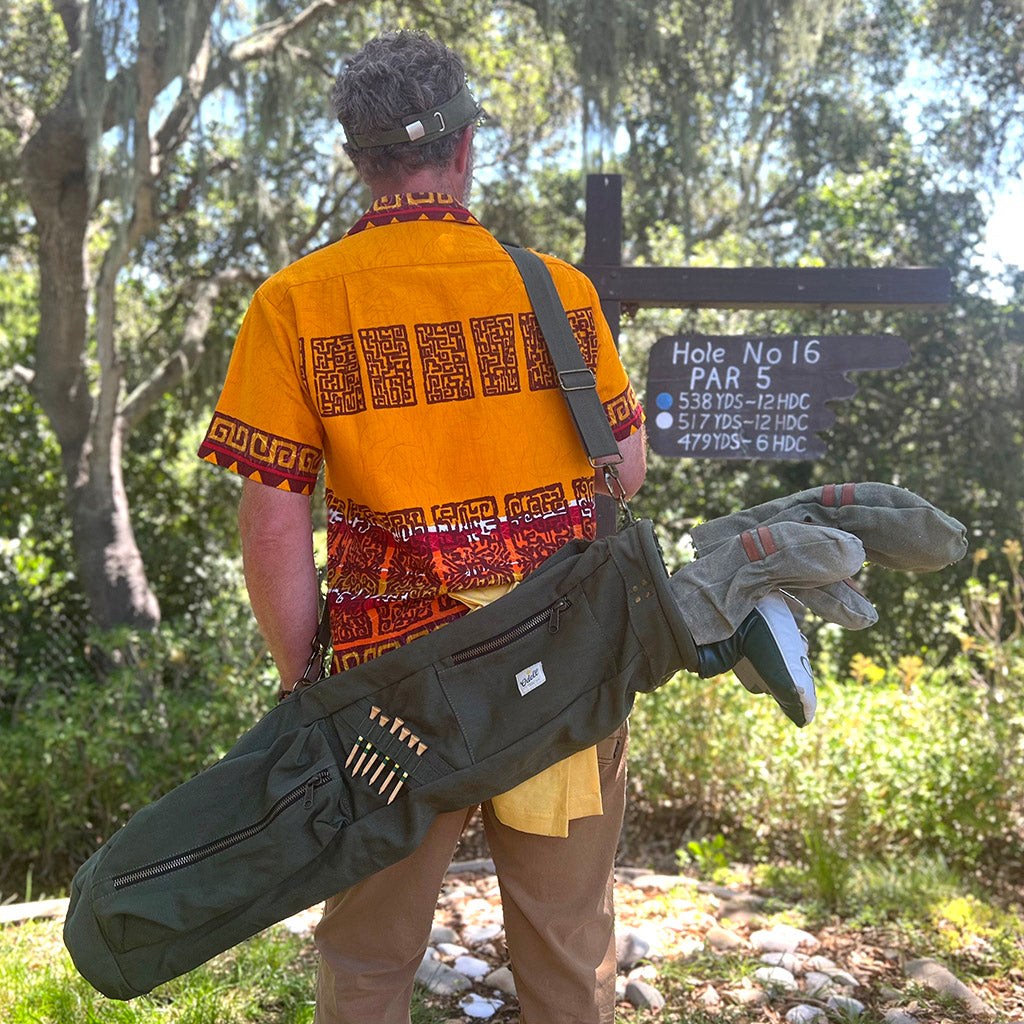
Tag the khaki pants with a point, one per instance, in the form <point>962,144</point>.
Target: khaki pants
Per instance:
<point>557,902</point>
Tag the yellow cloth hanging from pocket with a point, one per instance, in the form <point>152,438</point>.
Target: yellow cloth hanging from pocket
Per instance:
<point>546,803</point>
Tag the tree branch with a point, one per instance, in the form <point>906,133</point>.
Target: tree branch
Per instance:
<point>180,363</point>
<point>169,62</point>
<point>23,374</point>
<point>267,38</point>
<point>18,116</point>
<point>174,130</point>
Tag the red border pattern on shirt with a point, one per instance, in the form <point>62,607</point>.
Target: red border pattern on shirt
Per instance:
<point>412,206</point>
<point>258,454</point>
<point>624,413</point>
<point>389,573</point>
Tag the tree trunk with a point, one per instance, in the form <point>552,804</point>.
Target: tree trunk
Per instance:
<point>57,181</point>
<point>112,573</point>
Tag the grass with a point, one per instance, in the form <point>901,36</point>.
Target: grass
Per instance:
<point>268,979</point>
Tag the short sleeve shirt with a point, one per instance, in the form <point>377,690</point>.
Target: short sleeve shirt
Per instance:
<point>406,359</point>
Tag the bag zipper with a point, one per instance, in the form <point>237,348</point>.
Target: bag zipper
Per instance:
<point>550,615</point>
<point>189,857</point>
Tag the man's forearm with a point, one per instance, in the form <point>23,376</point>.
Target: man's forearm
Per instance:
<point>280,573</point>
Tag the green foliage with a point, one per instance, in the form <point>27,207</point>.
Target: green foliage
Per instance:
<point>33,77</point>
<point>991,629</point>
<point>86,745</point>
<point>40,602</point>
<point>884,768</point>
<point>708,854</point>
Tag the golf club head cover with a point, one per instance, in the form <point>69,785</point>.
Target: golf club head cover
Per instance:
<point>716,593</point>
<point>840,602</point>
<point>899,529</point>
<point>768,654</point>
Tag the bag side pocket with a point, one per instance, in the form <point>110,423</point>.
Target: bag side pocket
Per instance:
<point>238,828</point>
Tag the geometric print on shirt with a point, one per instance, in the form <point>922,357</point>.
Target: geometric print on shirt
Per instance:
<point>390,572</point>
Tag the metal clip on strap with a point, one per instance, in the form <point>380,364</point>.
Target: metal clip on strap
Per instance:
<point>616,490</point>
<point>588,379</point>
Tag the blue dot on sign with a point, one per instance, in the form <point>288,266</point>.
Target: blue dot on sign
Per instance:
<point>664,400</point>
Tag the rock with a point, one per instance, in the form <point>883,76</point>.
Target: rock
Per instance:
<point>477,934</point>
<point>645,972</point>
<point>300,924</point>
<point>782,938</point>
<point>742,916</point>
<point>845,1006</point>
<point>804,1014</point>
<point>451,949</point>
<point>630,947</point>
<point>503,980</point>
<point>472,967</point>
<point>644,996</point>
<point>662,883</point>
<point>776,979</point>
<point>817,984</point>
<point>471,867</point>
<point>746,996</point>
<point>624,874</point>
<point>895,1016</point>
<point>843,978</point>
<point>477,907</point>
<point>479,1006</point>
<point>440,979</point>
<point>442,933</point>
<point>722,892</point>
<point>820,963</point>
<point>777,959</point>
<point>688,947</point>
<point>723,939</point>
<point>933,974</point>
<point>709,998</point>
<point>741,901</point>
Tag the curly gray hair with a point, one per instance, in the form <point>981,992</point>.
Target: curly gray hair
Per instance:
<point>396,75</point>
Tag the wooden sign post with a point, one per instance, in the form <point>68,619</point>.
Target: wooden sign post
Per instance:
<point>757,397</point>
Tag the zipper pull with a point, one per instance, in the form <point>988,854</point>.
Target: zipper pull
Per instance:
<point>307,803</point>
<point>556,612</point>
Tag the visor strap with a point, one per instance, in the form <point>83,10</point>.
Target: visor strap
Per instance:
<point>462,109</point>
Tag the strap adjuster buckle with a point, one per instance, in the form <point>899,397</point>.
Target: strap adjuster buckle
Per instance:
<point>589,381</point>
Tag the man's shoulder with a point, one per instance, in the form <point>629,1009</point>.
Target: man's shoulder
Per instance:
<point>566,276</point>
<point>328,262</point>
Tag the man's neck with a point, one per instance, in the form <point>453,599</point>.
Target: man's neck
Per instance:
<point>427,180</point>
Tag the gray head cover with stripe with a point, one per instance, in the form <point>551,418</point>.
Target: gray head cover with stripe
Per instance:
<point>800,550</point>
<point>898,528</point>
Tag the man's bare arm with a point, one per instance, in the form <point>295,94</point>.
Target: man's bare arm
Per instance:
<point>633,467</point>
<point>280,573</point>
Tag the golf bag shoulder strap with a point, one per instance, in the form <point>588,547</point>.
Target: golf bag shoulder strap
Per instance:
<point>575,379</point>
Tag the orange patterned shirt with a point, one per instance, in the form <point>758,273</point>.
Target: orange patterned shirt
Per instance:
<point>406,358</point>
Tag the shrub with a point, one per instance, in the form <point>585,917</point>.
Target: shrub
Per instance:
<point>83,751</point>
<point>882,768</point>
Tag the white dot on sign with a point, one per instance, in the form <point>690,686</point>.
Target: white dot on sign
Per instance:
<point>664,420</point>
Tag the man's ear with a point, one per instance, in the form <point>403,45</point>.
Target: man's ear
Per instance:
<point>461,161</point>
